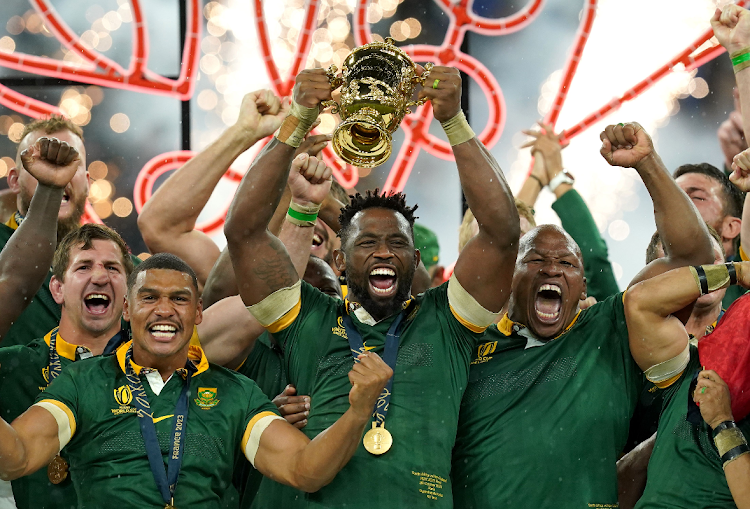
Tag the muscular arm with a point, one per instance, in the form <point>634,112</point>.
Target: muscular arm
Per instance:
<point>655,334</point>
<point>28,444</point>
<point>485,266</point>
<point>167,221</point>
<point>738,479</point>
<point>684,234</point>
<point>228,331</point>
<point>260,261</point>
<point>26,258</point>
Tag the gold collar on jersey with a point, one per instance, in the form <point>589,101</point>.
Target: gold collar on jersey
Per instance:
<point>195,354</point>
<point>64,349</point>
<point>507,326</point>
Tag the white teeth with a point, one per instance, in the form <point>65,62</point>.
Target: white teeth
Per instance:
<point>385,290</point>
<point>164,328</point>
<point>548,316</point>
<point>317,239</point>
<point>553,288</point>
<point>382,271</point>
<point>97,296</point>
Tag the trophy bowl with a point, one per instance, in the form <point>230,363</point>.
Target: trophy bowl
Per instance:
<point>377,82</point>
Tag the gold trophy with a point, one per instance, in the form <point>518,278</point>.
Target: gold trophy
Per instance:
<point>377,83</point>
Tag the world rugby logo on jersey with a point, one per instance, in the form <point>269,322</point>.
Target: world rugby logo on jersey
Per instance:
<point>484,352</point>
<point>123,397</point>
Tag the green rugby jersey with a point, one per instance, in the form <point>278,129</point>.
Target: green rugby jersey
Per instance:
<point>431,371</point>
<point>542,424</point>
<point>42,313</point>
<point>685,470</point>
<point>108,461</point>
<point>264,367</point>
<point>24,373</point>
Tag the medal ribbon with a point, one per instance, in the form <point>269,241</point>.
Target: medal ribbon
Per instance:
<point>390,352</point>
<point>166,482</point>
<point>55,367</point>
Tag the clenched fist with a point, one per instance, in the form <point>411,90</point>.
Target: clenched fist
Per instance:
<point>446,98</point>
<point>368,378</point>
<point>625,145</point>
<point>51,162</point>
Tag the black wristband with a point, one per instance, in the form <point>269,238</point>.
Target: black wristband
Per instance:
<point>702,279</point>
<point>732,273</point>
<point>531,175</point>
<point>733,453</point>
<point>724,425</point>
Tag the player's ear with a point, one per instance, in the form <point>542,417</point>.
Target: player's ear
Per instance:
<point>585,290</point>
<point>339,259</point>
<point>126,310</point>
<point>56,289</point>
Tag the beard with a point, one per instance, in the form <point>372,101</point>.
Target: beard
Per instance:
<point>358,284</point>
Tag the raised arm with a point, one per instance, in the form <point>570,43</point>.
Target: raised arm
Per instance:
<point>228,332</point>
<point>574,214</point>
<point>485,266</point>
<point>684,233</point>
<point>25,260</point>
<point>167,221</point>
<point>261,263</point>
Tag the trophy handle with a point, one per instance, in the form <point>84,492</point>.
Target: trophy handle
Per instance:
<point>336,81</point>
<point>421,79</point>
<point>333,104</point>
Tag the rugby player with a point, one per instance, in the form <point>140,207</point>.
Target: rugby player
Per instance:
<point>90,270</point>
<point>119,432</point>
<point>552,388</point>
<point>405,459</point>
<point>685,469</point>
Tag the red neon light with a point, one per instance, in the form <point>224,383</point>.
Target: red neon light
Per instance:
<point>100,70</point>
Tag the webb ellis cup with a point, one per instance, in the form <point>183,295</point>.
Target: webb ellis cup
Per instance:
<point>377,83</point>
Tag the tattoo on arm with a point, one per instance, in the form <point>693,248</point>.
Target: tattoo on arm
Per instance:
<point>276,271</point>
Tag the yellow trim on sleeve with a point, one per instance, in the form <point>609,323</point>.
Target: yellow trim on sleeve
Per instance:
<point>251,424</point>
<point>68,412</point>
<point>286,320</point>
<point>465,323</point>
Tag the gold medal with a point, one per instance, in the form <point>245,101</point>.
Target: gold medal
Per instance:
<point>377,440</point>
<point>57,470</point>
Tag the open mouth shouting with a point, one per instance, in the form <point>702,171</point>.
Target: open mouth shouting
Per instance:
<point>97,303</point>
<point>317,240</point>
<point>548,303</point>
<point>163,332</point>
<point>383,281</point>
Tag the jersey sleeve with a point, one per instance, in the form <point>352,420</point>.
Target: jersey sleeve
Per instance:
<point>61,400</point>
<point>259,414</point>
<point>465,308</point>
<point>458,326</point>
<point>311,303</point>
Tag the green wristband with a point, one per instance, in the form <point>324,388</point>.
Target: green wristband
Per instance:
<point>741,58</point>
<point>299,216</point>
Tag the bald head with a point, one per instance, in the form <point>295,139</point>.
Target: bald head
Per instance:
<point>548,233</point>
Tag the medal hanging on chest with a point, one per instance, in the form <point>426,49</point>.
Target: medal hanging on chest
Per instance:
<point>378,440</point>
<point>57,470</point>
<point>166,481</point>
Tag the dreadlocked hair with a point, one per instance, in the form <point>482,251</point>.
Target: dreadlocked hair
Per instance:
<point>373,199</point>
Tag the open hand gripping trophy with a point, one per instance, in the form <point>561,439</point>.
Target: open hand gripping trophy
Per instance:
<point>377,83</point>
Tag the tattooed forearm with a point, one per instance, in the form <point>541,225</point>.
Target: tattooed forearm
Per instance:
<point>275,268</point>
